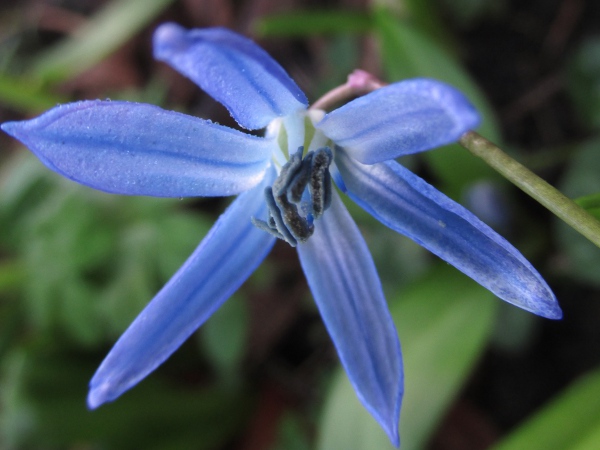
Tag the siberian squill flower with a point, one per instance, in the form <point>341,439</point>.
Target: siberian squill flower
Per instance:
<point>285,191</point>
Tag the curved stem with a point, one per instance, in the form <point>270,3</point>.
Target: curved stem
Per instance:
<point>562,206</point>
<point>359,83</point>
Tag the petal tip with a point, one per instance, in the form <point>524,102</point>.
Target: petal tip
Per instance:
<point>539,300</point>
<point>551,311</point>
<point>395,439</point>
<point>168,38</point>
<point>544,305</point>
<point>392,431</point>
<point>11,128</point>
<point>98,395</point>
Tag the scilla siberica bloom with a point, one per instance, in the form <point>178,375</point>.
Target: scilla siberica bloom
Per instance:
<point>285,187</point>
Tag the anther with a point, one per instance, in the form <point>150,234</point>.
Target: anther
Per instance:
<point>278,218</point>
<point>320,181</point>
<point>288,172</point>
<point>300,181</point>
<point>301,228</point>
<point>293,207</point>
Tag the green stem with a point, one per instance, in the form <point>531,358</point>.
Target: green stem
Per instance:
<point>562,206</point>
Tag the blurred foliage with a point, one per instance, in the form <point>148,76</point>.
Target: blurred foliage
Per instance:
<point>308,23</point>
<point>584,81</point>
<point>76,265</point>
<point>26,95</point>
<point>571,421</point>
<point>112,26</point>
<point>581,180</point>
<point>591,203</point>
<point>98,258</point>
<point>43,406</point>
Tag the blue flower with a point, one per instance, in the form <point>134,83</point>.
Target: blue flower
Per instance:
<point>284,184</point>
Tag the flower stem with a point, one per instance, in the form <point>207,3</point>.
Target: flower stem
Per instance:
<point>562,206</point>
<point>359,83</point>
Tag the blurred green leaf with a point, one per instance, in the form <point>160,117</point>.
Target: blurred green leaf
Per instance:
<point>341,58</point>
<point>26,95</point>
<point>291,434</point>
<point>581,180</point>
<point>110,28</point>
<point>444,321</point>
<point>308,23</point>
<point>571,421</point>
<point>24,183</point>
<point>467,12</point>
<point>44,406</point>
<point>584,81</point>
<point>178,234</point>
<point>12,275</point>
<point>424,14</point>
<point>224,336</point>
<point>11,325</point>
<point>407,52</point>
<point>89,261</point>
<point>591,203</point>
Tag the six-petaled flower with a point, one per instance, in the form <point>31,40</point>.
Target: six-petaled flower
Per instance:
<point>285,190</point>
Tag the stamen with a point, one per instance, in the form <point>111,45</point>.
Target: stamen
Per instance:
<point>293,207</point>
<point>288,171</point>
<point>266,227</point>
<point>298,226</point>
<point>320,181</point>
<point>277,218</point>
<point>300,181</point>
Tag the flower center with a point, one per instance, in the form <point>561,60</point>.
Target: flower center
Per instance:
<point>299,195</point>
<point>302,191</point>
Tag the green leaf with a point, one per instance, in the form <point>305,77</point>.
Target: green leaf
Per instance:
<point>110,28</point>
<point>12,275</point>
<point>224,336</point>
<point>408,52</point>
<point>307,23</point>
<point>179,233</point>
<point>442,335</point>
<point>292,435</point>
<point>571,421</point>
<point>90,260</point>
<point>584,81</point>
<point>24,184</point>
<point>591,203</point>
<point>26,95</point>
<point>44,407</point>
<point>581,180</point>
<point>468,12</point>
<point>425,15</point>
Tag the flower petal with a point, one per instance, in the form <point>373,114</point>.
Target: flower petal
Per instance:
<point>222,262</point>
<point>347,290</point>
<point>139,149</point>
<point>402,118</point>
<point>407,204</point>
<point>233,70</point>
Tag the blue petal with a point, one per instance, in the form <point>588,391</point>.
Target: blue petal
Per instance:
<point>223,261</point>
<point>402,118</point>
<point>408,205</point>
<point>346,288</point>
<point>139,149</point>
<point>233,70</point>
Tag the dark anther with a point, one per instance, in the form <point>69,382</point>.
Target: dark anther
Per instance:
<point>300,180</point>
<point>293,207</point>
<point>320,181</point>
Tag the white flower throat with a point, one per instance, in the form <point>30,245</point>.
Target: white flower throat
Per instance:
<point>302,190</point>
